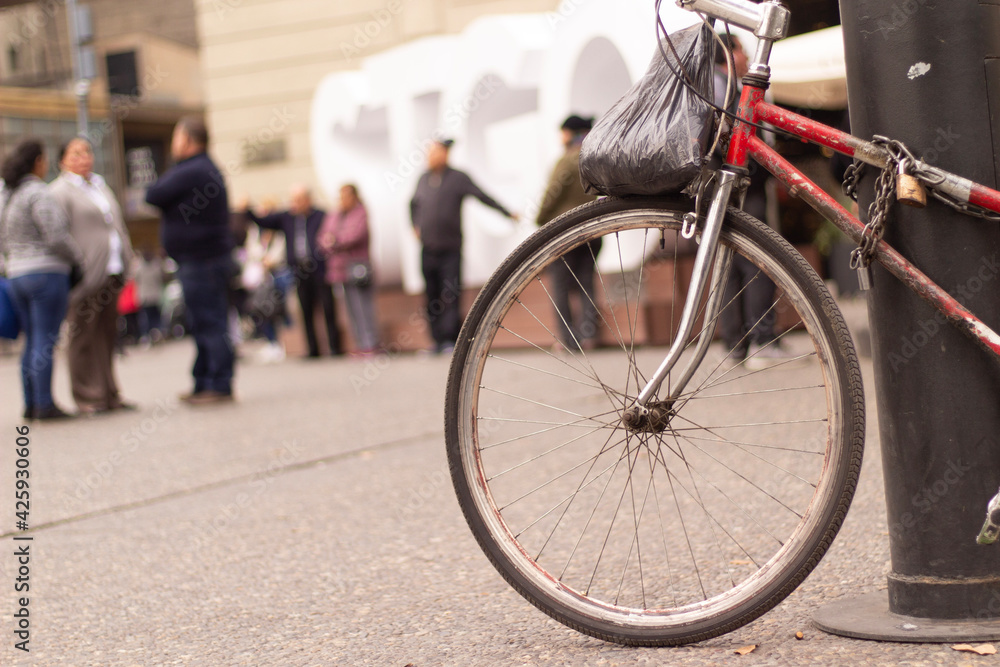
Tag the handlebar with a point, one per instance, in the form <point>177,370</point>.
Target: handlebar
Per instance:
<point>767,20</point>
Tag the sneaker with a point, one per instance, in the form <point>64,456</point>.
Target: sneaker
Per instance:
<point>733,358</point>
<point>760,357</point>
<point>272,353</point>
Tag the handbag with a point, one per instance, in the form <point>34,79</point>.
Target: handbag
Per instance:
<point>359,274</point>
<point>266,301</point>
<point>10,324</point>
<point>128,299</point>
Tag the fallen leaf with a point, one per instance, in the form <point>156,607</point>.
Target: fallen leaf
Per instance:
<point>740,562</point>
<point>746,649</point>
<point>982,649</point>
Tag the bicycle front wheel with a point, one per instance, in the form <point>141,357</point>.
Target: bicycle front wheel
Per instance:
<point>684,527</point>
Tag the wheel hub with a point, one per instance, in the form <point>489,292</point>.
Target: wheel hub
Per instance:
<point>653,418</point>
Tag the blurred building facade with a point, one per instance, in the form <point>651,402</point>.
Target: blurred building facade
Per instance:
<point>264,59</point>
<point>145,75</point>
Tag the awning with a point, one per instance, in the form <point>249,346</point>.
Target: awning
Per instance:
<point>808,70</point>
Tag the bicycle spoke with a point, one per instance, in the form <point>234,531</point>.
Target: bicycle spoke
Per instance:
<point>744,478</point>
<point>539,456</point>
<point>528,436</point>
<point>735,504</point>
<point>753,392</point>
<point>540,404</point>
<point>756,444</point>
<point>535,369</point>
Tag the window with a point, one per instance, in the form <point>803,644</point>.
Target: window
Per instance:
<point>14,58</point>
<point>259,153</point>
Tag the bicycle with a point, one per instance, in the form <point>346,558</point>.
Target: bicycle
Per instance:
<point>652,499</point>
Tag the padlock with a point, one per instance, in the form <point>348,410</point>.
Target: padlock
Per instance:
<point>865,277</point>
<point>909,189</point>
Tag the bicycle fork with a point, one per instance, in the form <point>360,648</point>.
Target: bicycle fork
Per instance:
<point>710,261</point>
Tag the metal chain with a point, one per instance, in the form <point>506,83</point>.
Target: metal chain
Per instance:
<point>963,207</point>
<point>899,152</point>
<point>852,177</point>
<point>966,207</point>
<point>878,215</point>
<point>885,193</point>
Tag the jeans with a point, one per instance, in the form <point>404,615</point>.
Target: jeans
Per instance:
<point>41,300</point>
<point>206,297</point>
<point>443,283</point>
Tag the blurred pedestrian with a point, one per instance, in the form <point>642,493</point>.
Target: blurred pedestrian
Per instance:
<point>148,273</point>
<point>436,213</point>
<point>39,256</point>
<point>301,224</point>
<point>574,274</point>
<point>264,304</point>
<point>97,226</point>
<point>195,233</point>
<point>345,237</point>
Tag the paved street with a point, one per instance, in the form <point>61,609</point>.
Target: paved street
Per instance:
<point>313,523</point>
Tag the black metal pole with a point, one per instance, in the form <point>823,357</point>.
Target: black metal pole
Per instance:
<point>925,73</point>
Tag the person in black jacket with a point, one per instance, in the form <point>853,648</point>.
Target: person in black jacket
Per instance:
<point>436,213</point>
<point>195,233</point>
<point>301,224</point>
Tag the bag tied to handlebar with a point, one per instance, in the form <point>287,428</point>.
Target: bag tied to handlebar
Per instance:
<point>654,139</point>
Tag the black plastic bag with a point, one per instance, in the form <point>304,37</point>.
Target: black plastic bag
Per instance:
<point>654,139</point>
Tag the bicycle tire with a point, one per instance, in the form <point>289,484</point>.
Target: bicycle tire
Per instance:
<point>526,427</point>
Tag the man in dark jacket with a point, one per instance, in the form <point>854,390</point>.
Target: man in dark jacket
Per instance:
<point>301,224</point>
<point>195,233</point>
<point>575,273</point>
<point>436,213</point>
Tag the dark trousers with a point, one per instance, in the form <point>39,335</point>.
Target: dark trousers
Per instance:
<point>313,290</point>
<point>41,301</point>
<point>93,334</point>
<point>748,316</point>
<point>149,318</point>
<point>206,300</point>
<point>571,274</point>
<point>443,283</point>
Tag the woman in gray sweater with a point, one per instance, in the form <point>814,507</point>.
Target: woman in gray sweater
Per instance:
<point>39,254</point>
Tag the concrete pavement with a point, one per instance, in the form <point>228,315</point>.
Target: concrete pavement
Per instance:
<point>313,523</point>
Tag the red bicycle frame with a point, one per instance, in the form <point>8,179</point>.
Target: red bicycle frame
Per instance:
<point>745,144</point>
